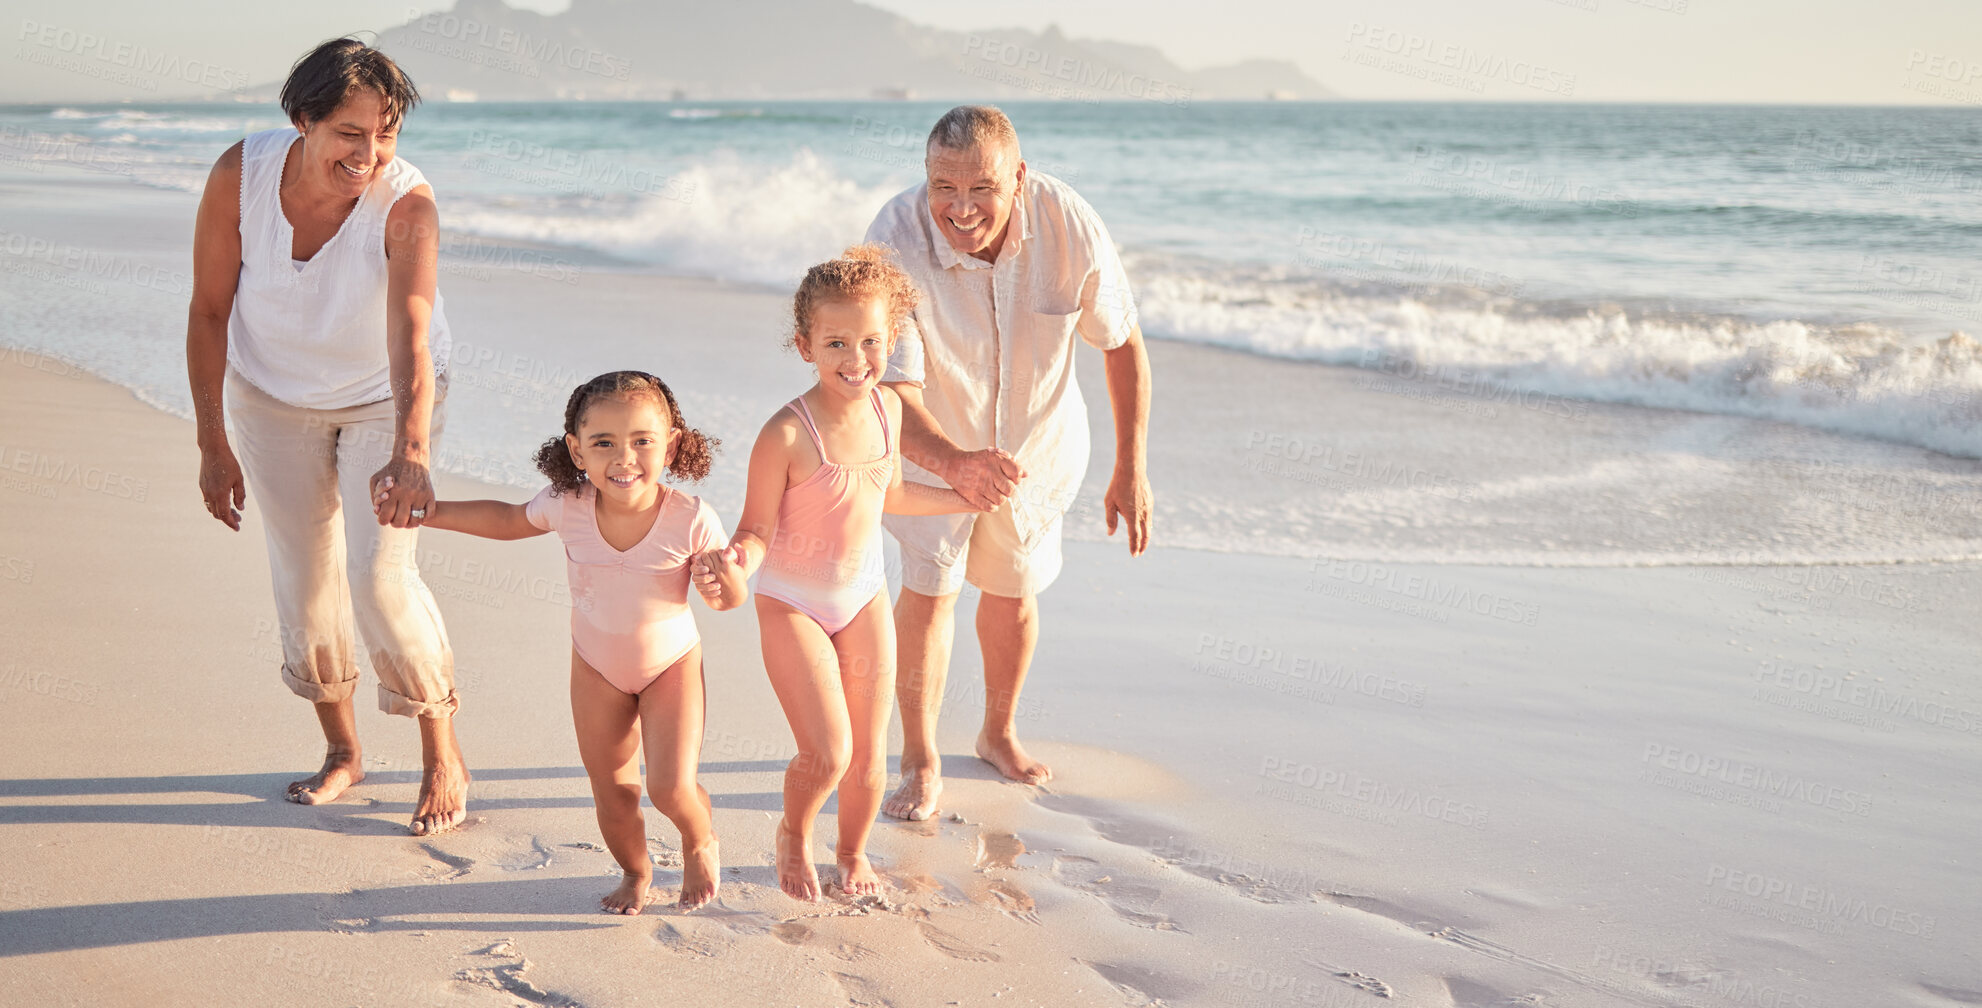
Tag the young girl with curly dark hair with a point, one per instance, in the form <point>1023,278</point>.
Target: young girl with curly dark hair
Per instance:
<point>636,658</point>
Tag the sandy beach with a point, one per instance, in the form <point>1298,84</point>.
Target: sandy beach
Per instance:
<point>1332,776</point>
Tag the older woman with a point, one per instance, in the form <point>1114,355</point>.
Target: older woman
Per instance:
<point>315,327</point>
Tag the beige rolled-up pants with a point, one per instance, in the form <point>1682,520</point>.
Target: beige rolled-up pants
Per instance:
<point>309,472</point>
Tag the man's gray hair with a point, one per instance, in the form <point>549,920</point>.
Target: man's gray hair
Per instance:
<point>968,127</point>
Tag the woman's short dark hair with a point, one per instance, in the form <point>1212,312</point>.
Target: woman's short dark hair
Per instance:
<point>323,78</point>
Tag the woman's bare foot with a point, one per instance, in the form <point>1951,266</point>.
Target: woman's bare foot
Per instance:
<point>857,876</point>
<point>1010,759</point>
<point>701,870</point>
<point>915,800</point>
<point>443,800</point>
<point>796,876</point>
<point>340,771</point>
<point>631,895</point>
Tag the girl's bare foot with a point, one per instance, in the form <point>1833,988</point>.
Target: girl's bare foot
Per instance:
<point>1010,759</point>
<point>796,876</point>
<point>915,800</point>
<point>340,771</point>
<point>857,876</point>
<point>631,895</point>
<point>701,869</point>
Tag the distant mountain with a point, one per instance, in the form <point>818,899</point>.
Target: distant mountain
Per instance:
<point>768,49</point>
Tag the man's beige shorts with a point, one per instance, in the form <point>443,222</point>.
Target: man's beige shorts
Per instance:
<point>942,552</point>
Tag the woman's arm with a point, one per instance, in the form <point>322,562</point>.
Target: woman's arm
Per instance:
<point>216,273</point>
<point>908,498</point>
<point>412,250</point>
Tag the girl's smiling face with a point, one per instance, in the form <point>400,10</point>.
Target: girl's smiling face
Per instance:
<point>848,340</point>
<point>345,150</point>
<point>624,445</point>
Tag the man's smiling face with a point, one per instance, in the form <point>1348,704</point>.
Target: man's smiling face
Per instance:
<point>971,193</point>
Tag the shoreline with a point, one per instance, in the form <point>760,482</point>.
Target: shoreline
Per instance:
<point>1281,777</point>
<point>1330,737</point>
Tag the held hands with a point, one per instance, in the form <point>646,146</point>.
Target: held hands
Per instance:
<point>402,493</point>
<point>381,501</point>
<point>222,485</point>
<point>718,575</point>
<point>983,478</point>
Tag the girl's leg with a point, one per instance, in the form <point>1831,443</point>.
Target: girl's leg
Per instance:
<point>609,746</point>
<point>671,715</point>
<point>805,674</point>
<point>866,651</point>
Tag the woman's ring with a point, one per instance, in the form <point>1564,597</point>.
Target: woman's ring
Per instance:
<point>419,512</point>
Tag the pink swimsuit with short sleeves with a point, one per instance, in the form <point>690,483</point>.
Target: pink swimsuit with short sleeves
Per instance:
<point>825,558</point>
<point>629,609</point>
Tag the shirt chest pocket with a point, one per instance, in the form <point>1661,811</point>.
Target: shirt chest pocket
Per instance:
<point>1042,354</point>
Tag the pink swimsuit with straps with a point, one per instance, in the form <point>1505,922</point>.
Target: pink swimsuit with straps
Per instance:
<point>629,608</point>
<point>825,557</point>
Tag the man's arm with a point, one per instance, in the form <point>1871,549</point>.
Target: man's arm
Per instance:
<point>983,478</point>
<point>1129,495</point>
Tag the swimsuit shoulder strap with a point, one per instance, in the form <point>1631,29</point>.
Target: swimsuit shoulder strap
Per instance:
<point>798,406</point>
<point>881,411</point>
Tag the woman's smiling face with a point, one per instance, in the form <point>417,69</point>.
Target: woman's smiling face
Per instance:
<point>345,150</point>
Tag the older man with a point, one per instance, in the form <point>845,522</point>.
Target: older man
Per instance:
<point>1013,267</point>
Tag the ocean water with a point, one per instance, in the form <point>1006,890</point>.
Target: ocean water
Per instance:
<point>1821,267</point>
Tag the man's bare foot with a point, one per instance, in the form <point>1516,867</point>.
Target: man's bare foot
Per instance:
<point>701,869</point>
<point>631,895</point>
<point>340,771</point>
<point>1005,753</point>
<point>443,797</point>
<point>857,876</point>
<point>916,799</point>
<point>796,876</point>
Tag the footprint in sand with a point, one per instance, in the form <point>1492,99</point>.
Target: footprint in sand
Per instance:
<point>1006,898</point>
<point>1134,984</point>
<point>861,991</point>
<point>1132,901</point>
<point>998,850</point>
<point>791,932</point>
<point>460,865</point>
<point>535,857</point>
<point>662,855</point>
<point>952,946</point>
<point>509,977</point>
<point>1363,982</point>
<point>943,894</point>
<point>853,952</point>
<point>677,940</point>
<point>1360,981</point>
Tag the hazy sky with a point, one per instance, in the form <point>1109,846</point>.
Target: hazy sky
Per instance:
<point>1817,51</point>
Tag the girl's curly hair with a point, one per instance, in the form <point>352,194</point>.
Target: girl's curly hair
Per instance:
<point>691,454</point>
<point>860,272</point>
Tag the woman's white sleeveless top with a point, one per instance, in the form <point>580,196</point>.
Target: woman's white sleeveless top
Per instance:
<point>314,334</point>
